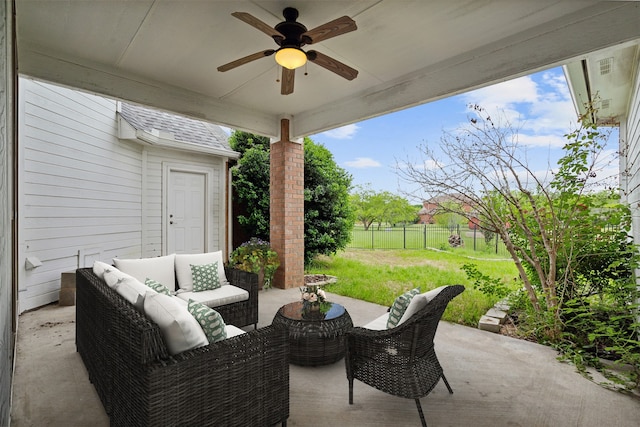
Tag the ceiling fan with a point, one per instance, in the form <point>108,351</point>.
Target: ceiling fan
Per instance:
<point>291,35</point>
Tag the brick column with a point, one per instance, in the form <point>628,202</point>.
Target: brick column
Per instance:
<point>287,208</point>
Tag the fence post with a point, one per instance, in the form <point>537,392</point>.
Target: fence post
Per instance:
<point>424,235</point>
<point>474,237</point>
<point>497,243</point>
<point>404,236</point>
<point>372,244</point>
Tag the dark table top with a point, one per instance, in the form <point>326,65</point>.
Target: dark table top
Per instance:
<point>294,311</point>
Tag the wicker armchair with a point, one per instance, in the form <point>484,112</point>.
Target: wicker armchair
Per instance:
<point>400,361</point>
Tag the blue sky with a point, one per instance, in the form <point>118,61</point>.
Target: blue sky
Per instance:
<point>540,103</point>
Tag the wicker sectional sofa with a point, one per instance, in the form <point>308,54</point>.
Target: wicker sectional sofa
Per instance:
<point>239,381</point>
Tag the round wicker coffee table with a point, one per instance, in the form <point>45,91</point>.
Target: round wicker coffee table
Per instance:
<point>314,338</point>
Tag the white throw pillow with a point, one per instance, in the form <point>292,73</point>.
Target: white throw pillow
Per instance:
<point>418,302</point>
<point>99,268</point>
<point>161,269</point>
<point>181,331</point>
<point>183,267</point>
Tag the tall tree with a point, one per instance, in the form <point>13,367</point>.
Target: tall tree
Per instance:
<point>537,218</point>
<point>328,217</point>
<point>381,207</point>
<point>241,141</point>
<point>251,182</point>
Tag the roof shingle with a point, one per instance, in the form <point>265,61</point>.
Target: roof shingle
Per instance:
<point>181,128</point>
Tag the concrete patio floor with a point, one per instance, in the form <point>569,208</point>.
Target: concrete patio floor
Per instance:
<point>497,381</point>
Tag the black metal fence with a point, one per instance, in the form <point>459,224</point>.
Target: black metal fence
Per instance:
<point>422,236</point>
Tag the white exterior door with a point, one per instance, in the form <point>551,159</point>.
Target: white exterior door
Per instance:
<point>186,212</point>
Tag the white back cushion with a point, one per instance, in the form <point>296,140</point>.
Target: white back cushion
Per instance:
<point>127,286</point>
<point>99,268</point>
<point>181,331</point>
<point>161,269</point>
<point>418,302</point>
<point>183,267</point>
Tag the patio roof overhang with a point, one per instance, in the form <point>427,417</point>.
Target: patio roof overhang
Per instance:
<point>605,80</point>
<point>165,53</point>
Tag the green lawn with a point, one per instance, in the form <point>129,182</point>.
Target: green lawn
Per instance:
<point>421,236</point>
<point>379,276</point>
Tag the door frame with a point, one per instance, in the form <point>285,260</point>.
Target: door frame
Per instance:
<point>208,172</point>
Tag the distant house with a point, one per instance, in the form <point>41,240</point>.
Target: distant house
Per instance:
<point>432,207</point>
<point>101,179</point>
<point>427,213</point>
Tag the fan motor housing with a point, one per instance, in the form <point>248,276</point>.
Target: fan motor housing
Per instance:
<point>291,32</point>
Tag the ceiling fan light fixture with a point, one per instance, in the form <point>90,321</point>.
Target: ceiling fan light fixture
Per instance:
<point>291,57</point>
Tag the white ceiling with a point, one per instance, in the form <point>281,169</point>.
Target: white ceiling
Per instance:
<point>164,53</point>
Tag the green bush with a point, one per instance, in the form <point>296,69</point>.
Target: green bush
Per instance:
<point>328,218</point>
<point>256,256</point>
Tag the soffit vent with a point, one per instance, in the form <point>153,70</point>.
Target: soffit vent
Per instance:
<point>605,104</point>
<point>606,66</point>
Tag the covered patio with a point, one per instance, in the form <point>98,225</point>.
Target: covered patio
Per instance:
<point>497,381</point>
<point>164,54</point>
<point>215,61</point>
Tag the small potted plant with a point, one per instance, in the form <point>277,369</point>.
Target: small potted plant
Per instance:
<point>257,257</point>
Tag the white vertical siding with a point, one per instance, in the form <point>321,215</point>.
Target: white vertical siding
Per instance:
<point>630,137</point>
<point>85,194</point>
<point>80,187</point>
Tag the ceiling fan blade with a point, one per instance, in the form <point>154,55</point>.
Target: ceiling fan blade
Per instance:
<point>288,76</point>
<point>238,62</point>
<point>257,24</point>
<point>330,29</point>
<point>331,64</point>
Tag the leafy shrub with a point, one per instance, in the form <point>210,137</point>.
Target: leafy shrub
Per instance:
<point>490,286</point>
<point>257,257</point>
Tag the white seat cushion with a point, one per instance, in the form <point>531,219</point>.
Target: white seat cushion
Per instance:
<point>378,324</point>
<point>183,267</point>
<point>214,298</point>
<point>161,269</point>
<point>181,331</point>
<point>418,302</point>
<point>233,331</point>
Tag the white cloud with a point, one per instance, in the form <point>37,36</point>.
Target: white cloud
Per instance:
<point>542,109</point>
<point>344,132</point>
<point>431,164</point>
<point>554,141</point>
<point>363,163</point>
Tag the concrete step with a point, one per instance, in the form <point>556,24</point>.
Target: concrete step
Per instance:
<point>488,323</point>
